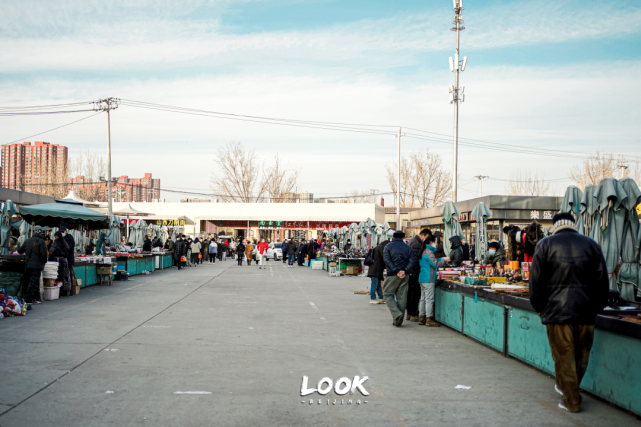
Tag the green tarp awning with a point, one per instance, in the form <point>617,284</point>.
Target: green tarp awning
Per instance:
<point>51,214</point>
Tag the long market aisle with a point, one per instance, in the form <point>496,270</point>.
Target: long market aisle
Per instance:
<point>228,346</point>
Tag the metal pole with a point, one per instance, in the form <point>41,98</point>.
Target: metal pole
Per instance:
<point>109,205</point>
<point>398,185</point>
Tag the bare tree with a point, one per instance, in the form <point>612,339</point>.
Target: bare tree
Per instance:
<point>424,182</point>
<point>278,183</point>
<point>237,178</point>
<point>362,196</point>
<point>593,170</point>
<point>91,166</point>
<point>525,183</point>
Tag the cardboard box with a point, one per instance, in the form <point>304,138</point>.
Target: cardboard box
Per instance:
<point>79,282</point>
<point>75,289</point>
<point>332,264</point>
<point>352,269</point>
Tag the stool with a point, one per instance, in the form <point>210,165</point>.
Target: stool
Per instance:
<point>106,279</point>
<point>333,272</point>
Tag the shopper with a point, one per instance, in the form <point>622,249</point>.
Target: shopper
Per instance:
<point>413,288</point>
<point>292,249</point>
<point>59,248</point>
<point>375,273</point>
<point>495,253</point>
<point>204,251</point>
<point>189,252</point>
<point>427,281</point>
<point>181,251</point>
<point>240,252</point>
<point>302,252</point>
<point>440,253</point>
<point>466,249</point>
<point>261,250</point>
<point>226,249</point>
<point>283,250</point>
<point>213,250</point>
<point>312,248</point>
<point>195,251</point>
<point>35,250</point>
<point>456,252</point>
<point>248,252</point>
<point>568,288</point>
<point>399,261</point>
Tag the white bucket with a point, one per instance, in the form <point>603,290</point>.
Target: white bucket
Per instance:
<point>52,293</point>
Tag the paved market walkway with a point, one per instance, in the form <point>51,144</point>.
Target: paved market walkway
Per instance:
<point>120,356</point>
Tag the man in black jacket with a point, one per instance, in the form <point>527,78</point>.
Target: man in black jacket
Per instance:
<point>311,249</point>
<point>302,252</point>
<point>35,250</point>
<point>413,288</point>
<point>375,272</point>
<point>240,252</point>
<point>146,246</point>
<point>399,261</point>
<point>180,250</point>
<point>568,288</point>
<point>292,248</point>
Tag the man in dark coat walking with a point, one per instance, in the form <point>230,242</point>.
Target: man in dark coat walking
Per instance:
<point>568,288</point>
<point>240,252</point>
<point>292,248</point>
<point>180,250</point>
<point>399,261</point>
<point>413,288</point>
<point>375,272</point>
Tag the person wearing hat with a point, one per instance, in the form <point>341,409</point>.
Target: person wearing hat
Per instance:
<point>568,288</point>
<point>440,252</point>
<point>35,250</point>
<point>496,253</point>
<point>399,261</point>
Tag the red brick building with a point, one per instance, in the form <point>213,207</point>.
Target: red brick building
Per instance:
<point>32,167</point>
<point>125,189</point>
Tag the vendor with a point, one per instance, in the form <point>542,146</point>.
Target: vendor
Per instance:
<point>456,253</point>
<point>89,248</point>
<point>169,244</point>
<point>495,253</point>
<point>146,246</point>
<point>100,245</point>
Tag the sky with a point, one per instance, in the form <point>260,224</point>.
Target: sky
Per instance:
<point>542,73</point>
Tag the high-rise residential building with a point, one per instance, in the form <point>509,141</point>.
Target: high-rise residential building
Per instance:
<point>124,189</point>
<point>37,168</point>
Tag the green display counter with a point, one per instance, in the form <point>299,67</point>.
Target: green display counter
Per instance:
<point>509,325</point>
<point>87,272</point>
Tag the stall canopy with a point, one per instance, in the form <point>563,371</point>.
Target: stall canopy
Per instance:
<point>452,227</point>
<point>572,200</point>
<point>51,215</point>
<point>481,212</point>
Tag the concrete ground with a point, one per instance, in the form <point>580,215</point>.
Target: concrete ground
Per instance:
<point>245,337</point>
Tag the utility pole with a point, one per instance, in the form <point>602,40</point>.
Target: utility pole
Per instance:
<point>481,178</point>
<point>398,183</point>
<point>107,105</point>
<point>456,92</point>
<point>623,167</point>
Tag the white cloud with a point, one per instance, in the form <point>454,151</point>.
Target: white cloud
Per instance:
<point>574,108</point>
<point>159,40</point>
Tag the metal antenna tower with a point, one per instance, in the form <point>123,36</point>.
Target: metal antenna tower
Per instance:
<point>456,92</point>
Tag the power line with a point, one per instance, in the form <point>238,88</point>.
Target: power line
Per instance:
<point>76,121</point>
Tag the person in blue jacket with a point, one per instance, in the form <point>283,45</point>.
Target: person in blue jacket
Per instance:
<point>399,262</point>
<point>427,279</point>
